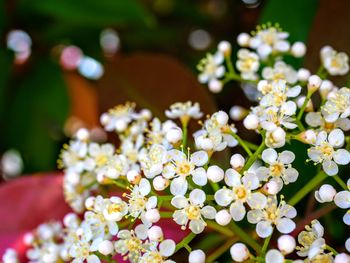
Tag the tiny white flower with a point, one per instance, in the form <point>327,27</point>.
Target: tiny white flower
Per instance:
<point>192,211</point>
<point>337,105</point>
<point>196,256</point>
<point>335,63</point>
<point>211,67</point>
<point>239,252</point>
<point>274,256</point>
<point>273,214</point>
<point>286,244</point>
<point>247,63</point>
<point>326,193</point>
<point>324,151</point>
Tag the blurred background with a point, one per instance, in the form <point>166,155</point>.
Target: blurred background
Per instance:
<point>64,62</point>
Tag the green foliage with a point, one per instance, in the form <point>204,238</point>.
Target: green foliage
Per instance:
<point>36,115</point>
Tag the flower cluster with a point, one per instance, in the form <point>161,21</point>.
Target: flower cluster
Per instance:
<point>158,172</point>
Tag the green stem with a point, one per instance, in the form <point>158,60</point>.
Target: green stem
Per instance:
<point>303,107</point>
<point>220,250</point>
<point>331,250</point>
<point>119,184</point>
<point>245,237</point>
<point>254,157</point>
<point>308,188</point>
<point>242,143</point>
<point>266,244</point>
<point>221,229</point>
<point>340,182</point>
<point>251,146</point>
<point>185,241</point>
<point>164,214</point>
<point>184,134</point>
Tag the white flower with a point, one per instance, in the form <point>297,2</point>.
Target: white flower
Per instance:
<point>286,244</point>
<point>324,151</point>
<point>119,117</point>
<point>99,155</point>
<point>273,214</point>
<point>152,160</point>
<point>180,166</point>
<point>138,201</point>
<point>159,255</point>
<point>311,239</point>
<point>275,138</point>
<point>280,71</point>
<point>211,67</point>
<point>10,256</point>
<point>192,211</point>
<point>247,63</point>
<point>184,111</point>
<point>240,193</point>
<point>342,200</point>
<point>115,167</point>
<point>337,105</point>
<point>280,168</point>
<point>115,209</point>
<point>335,63</point>
<point>316,119</point>
<point>130,243</point>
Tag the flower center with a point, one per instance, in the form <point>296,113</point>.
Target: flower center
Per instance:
<point>277,169</point>
<point>241,192</point>
<point>326,150</point>
<point>193,212</point>
<point>101,159</point>
<point>115,208</point>
<point>133,244</point>
<point>184,168</point>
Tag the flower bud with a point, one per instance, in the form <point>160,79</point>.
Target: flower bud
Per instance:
<point>326,193</point>
<point>276,138</point>
<point>155,233</point>
<point>271,187</point>
<point>90,202</point>
<point>314,83</point>
<point>309,106</point>
<point>28,239</point>
<point>196,256</point>
<point>121,125</point>
<point>105,119</point>
<point>303,74</point>
<point>70,220</point>
<point>204,143</point>
<point>160,183</point>
<point>223,217</point>
<point>215,86</point>
<point>237,161</point>
<point>342,258</point>
<point>215,173</point>
<point>105,247</point>
<point>251,122</point>
<point>347,244</point>
<point>298,49</point>
<point>308,136</point>
<point>325,88</point>
<point>152,215</point>
<point>174,135</point>
<point>146,114</point>
<point>237,113</point>
<point>222,118</point>
<point>133,176</point>
<point>274,256</point>
<point>239,252</point>
<point>82,134</point>
<point>225,48</point>
<point>243,39</point>
<point>286,244</point>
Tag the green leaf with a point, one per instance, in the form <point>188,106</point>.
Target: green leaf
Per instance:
<point>36,116</point>
<point>295,17</point>
<point>91,12</point>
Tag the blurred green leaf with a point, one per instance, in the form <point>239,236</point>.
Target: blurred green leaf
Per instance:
<point>90,12</point>
<point>36,116</point>
<point>295,17</point>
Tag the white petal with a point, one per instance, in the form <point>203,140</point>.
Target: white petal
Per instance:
<point>152,202</point>
<point>199,158</point>
<point>179,201</point>
<point>286,157</point>
<point>167,247</point>
<point>93,259</point>
<point>342,199</point>
<point>254,216</point>
<point>263,173</point>
<point>141,231</point>
<point>336,138</point>
<point>232,177</point>
<point>285,225</point>
<point>250,181</point>
<point>257,200</point>
<point>341,156</point>
<point>169,171</point>
<point>264,229</point>
<point>330,167</point>
<point>293,92</point>
<point>144,186</point>
<point>199,176</point>
<point>223,197</point>
<point>208,212</point>
<point>346,218</point>
<point>178,186</point>
<point>290,175</point>
<point>237,211</point>
<point>197,226</point>
<point>269,155</point>
<point>197,196</point>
